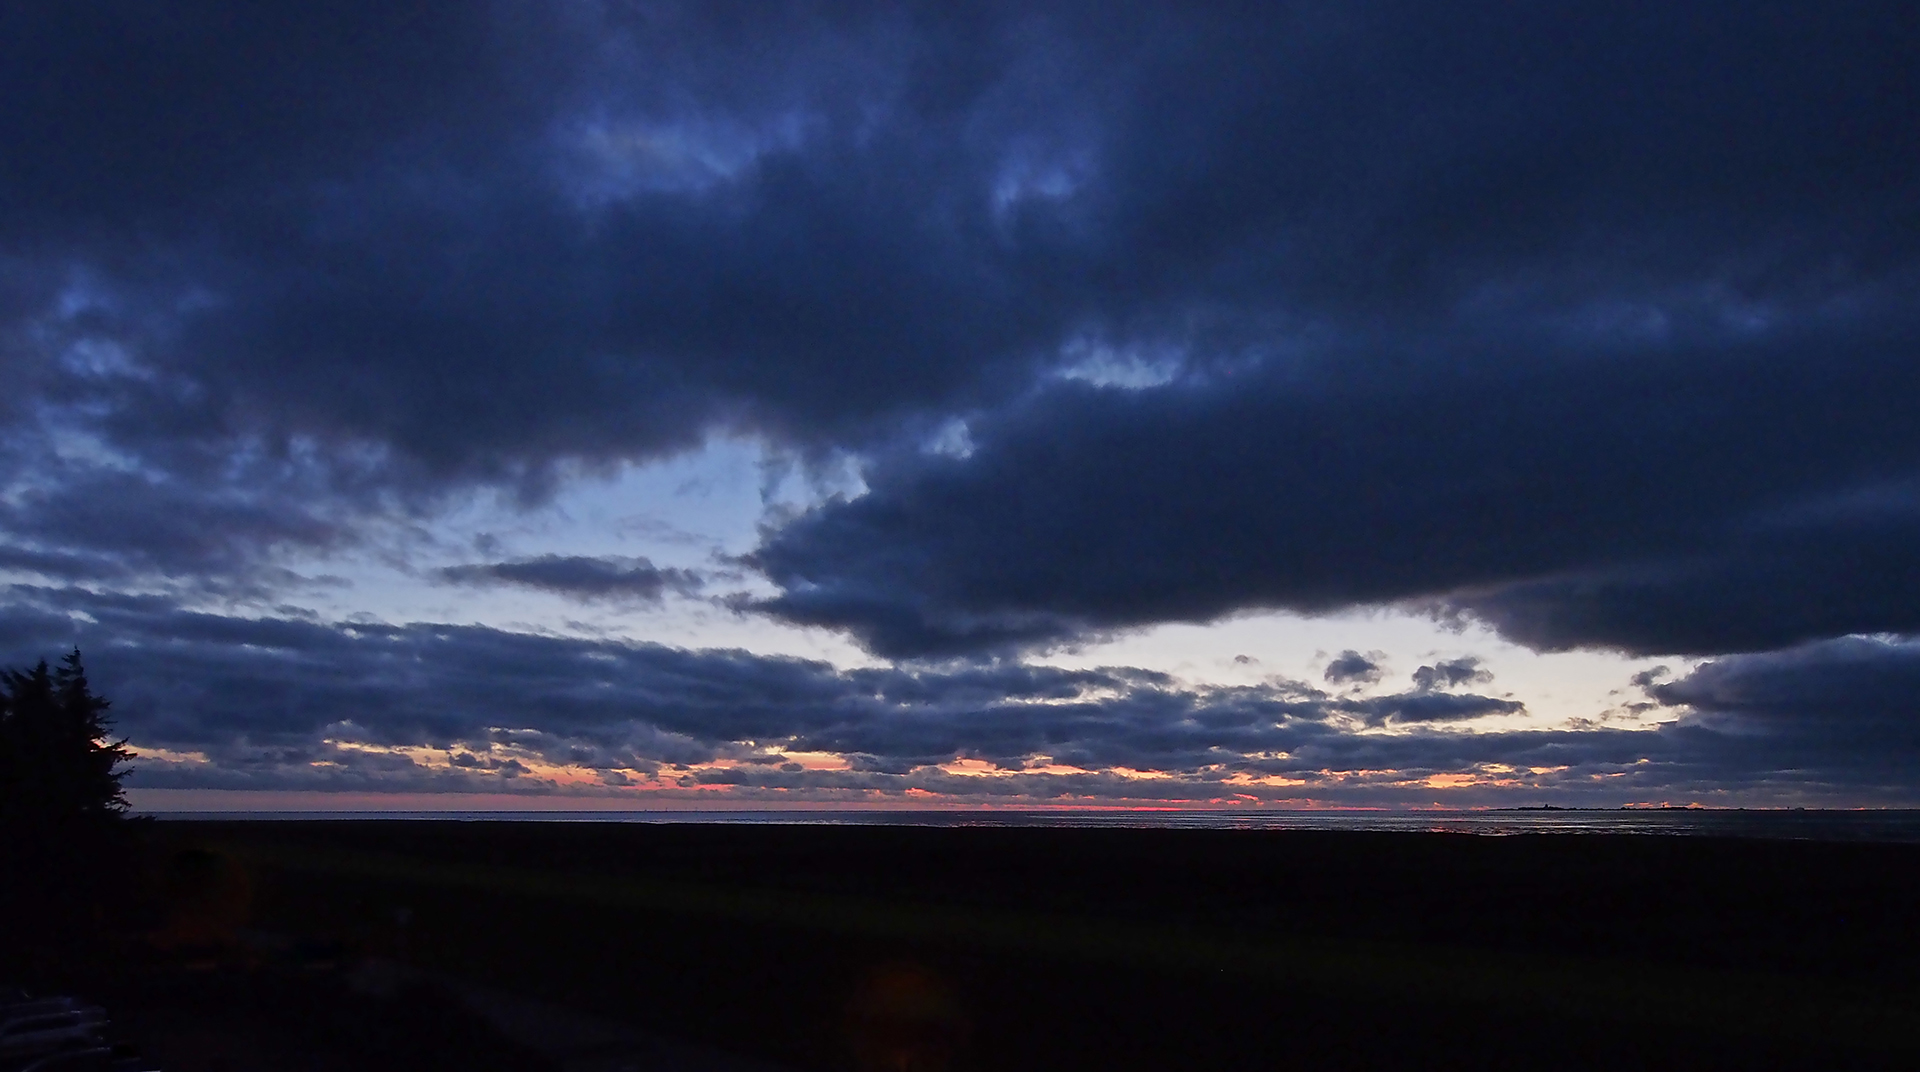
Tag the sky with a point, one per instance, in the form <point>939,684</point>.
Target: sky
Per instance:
<point>703,405</point>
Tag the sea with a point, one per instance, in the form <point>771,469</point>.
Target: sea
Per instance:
<point>1795,824</point>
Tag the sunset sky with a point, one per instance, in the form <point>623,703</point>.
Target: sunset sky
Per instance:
<point>573,404</point>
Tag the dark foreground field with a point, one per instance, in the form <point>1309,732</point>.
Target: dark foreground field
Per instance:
<point>822,947</point>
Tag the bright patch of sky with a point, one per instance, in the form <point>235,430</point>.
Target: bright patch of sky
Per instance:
<point>954,439</point>
<point>1036,180</point>
<point>701,510</point>
<point>604,160</point>
<point>1131,368</point>
<point>696,512</point>
<point>1558,688</point>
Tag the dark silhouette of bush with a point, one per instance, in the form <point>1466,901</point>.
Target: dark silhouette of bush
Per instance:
<point>58,761</point>
<point>68,853</point>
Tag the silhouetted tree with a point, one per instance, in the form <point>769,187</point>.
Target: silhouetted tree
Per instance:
<point>58,761</point>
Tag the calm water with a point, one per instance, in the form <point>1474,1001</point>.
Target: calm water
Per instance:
<point>1891,826</point>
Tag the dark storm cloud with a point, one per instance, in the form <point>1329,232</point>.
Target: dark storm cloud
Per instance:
<point>1615,388</point>
<point>581,577</point>
<point>1824,569</point>
<point>1426,706</point>
<point>491,236</point>
<point>434,245</point>
<point>134,525</point>
<point>1451,673</point>
<point>1485,479</point>
<point>1842,711</point>
<point>1834,688</point>
<point>1351,666</point>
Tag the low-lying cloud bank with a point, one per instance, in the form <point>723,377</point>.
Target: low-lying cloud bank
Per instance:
<point>224,702</point>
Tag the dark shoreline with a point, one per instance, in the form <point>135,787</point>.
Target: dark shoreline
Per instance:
<point>1139,948</point>
<point>1533,936</point>
<point>1895,826</point>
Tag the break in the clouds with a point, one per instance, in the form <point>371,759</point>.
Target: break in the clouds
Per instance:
<point>1590,323</point>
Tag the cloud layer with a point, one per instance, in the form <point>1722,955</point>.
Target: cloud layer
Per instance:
<point>1593,323</point>
<point>580,576</point>
<point>1730,493</point>
<point>217,702</point>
